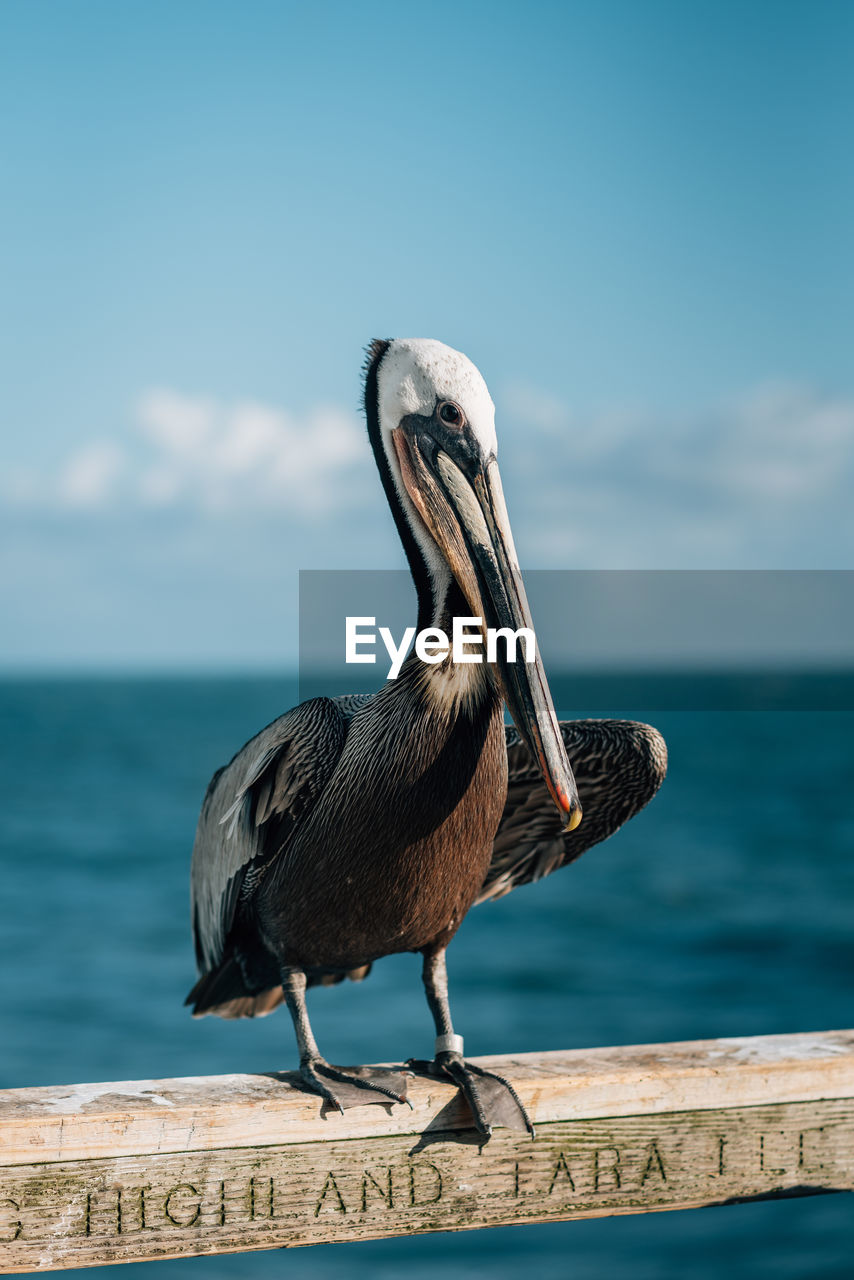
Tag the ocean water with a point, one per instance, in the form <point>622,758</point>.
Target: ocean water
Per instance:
<point>724,909</point>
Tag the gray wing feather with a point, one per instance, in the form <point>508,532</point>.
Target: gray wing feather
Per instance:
<point>618,765</point>
<point>251,808</point>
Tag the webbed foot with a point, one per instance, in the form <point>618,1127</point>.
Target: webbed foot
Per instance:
<point>492,1099</point>
<point>353,1086</point>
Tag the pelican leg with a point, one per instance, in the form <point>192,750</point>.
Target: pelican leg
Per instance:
<point>341,1088</point>
<point>491,1098</point>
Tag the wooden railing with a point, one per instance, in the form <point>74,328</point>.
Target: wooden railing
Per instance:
<point>105,1173</point>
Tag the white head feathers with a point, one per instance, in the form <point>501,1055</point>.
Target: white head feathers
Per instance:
<point>416,372</point>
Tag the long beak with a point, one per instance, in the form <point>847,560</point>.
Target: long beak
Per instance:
<point>468,518</point>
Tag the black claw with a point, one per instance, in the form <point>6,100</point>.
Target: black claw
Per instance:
<point>333,1073</point>
<point>316,1071</point>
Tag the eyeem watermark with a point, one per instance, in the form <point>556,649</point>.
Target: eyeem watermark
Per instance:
<point>432,644</point>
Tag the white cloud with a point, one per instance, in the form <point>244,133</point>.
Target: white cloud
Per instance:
<point>90,478</point>
<point>176,423</point>
<point>783,442</point>
<point>197,452</point>
<point>763,479</point>
<point>249,454</point>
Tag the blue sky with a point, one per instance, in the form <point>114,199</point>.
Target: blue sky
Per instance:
<point>636,217</point>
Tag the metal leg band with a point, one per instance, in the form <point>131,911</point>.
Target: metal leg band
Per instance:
<point>449,1044</point>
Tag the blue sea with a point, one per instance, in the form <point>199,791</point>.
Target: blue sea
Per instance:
<point>724,909</point>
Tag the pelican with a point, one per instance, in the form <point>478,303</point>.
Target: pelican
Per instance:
<point>353,828</point>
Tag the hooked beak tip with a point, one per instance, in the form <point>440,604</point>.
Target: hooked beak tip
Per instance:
<point>565,797</point>
<point>573,818</point>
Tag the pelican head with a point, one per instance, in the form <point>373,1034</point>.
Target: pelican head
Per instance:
<point>432,426</point>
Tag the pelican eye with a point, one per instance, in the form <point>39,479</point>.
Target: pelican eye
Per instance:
<point>452,414</point>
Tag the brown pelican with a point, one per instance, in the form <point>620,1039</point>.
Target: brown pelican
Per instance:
<point>351,828</point>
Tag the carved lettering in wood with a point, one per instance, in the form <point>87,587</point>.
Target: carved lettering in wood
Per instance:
<point>10,1223</point>
<point>173,1204</point>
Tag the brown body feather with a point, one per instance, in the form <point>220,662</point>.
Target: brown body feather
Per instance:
<point>390,852</point>
<point>396,851</point>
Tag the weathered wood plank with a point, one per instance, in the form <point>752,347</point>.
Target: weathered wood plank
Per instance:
<point>201,1113</point>
<point>97,1174</point>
